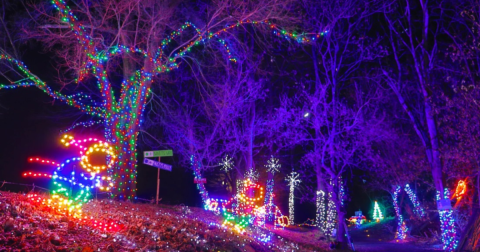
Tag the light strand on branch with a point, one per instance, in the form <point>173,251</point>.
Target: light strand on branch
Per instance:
<point>293,181</point>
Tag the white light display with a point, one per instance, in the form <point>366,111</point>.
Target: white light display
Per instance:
<point>293,181</point>
<point>227,164</point>
<point>320,217</point>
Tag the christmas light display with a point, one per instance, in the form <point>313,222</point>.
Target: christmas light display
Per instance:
<point>320,206</point>
<point>252,174</point>
<point>401,226</point>
<point>122,114</point>
<point>83,124</point>
<point>273,166</point>
<point>341,190</point>
<point>246,208</point>
<point>227,164</point>
<point>460,190</point>
<point>377,213</point>
<point>331,215</point>
<point>63,199</point>
<point>293,181</point>
<point>196,165</point>
<point>357,220</point>
<point>417,208</point>
<point>447,224</point>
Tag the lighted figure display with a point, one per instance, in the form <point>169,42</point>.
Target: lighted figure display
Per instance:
<point>293,181</point>
<point>358,219</point>
<point>246,208</point>
<point>122,112</point>
<point>63,199</point>
<point>460,190</point>
<point>377,213</point>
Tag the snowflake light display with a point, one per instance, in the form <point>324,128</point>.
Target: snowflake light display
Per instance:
<point>273,166</point>
<point>252,174</point>
<point>293,181</point>
<point>227,164</point>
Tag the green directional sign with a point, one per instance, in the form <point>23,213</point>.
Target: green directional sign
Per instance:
<point>158,153</point>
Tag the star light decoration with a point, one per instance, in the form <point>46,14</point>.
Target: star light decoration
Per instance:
<point>122,113</point>
<point>293,181</point>
<point>273,166</point>
<point>227,164</point>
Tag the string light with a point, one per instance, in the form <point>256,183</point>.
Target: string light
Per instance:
<point>293,181</point>
<point>227,164</point>
<point>273,166</point>
<point>447,224</point>
<point>331,215</point>
<point>83,124</point>
<point>122,116</point>
<point>460,190</point>
<point>320,206</point>
<point>417,208</point>
<point>377,213</point>
<point>252,174</point>
<point>401,226</point>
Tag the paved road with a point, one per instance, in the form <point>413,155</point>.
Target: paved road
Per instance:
<point>362,246</point>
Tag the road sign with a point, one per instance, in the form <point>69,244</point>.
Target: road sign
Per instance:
<point>200,181</point>
<point>158,153</point>
<point>157,164</point>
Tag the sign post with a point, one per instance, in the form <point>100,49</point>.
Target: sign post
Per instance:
<point>159,154</point>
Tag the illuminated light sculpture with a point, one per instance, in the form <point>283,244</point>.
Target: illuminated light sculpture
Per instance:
<point>252,174</point>
<point>273,166</point>
<point>447,224</point>
<point>227,164</point>
<point>320,219</point>
<point>460,190</point>
<point>245,208</point>
<point>62,199</point>
<point>377,213</point>
<point>357,220</point>
<point>293,181</point>
<point>122,114</point>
